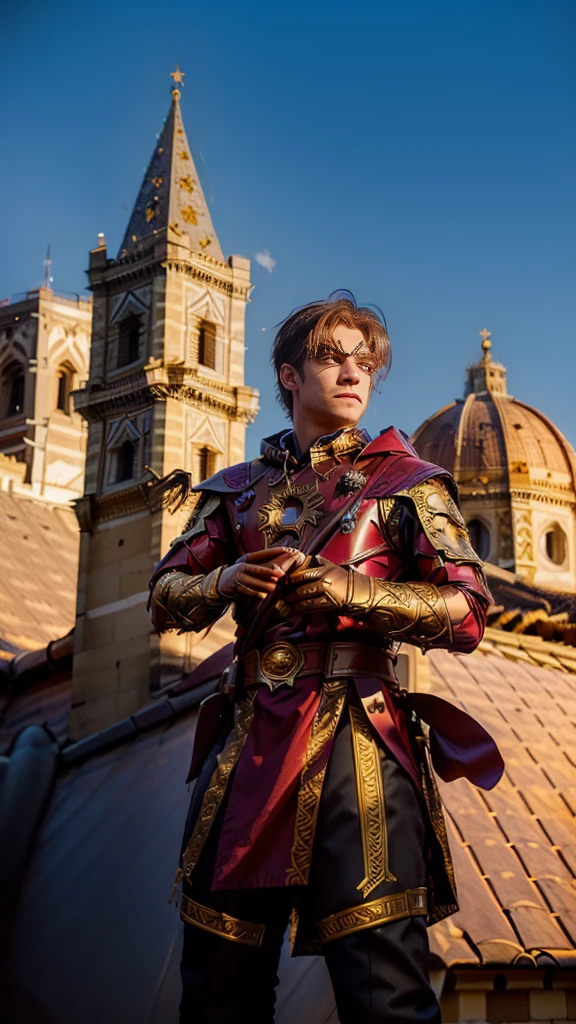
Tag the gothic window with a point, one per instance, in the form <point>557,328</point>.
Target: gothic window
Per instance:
<point>13,389</point>
<point>128,340</point>
<point>205,464</point>
<point>125,461</point>
<point>479,538</point>
<point>65,385</point>
<point>207,344</point>
<point>555,543</point>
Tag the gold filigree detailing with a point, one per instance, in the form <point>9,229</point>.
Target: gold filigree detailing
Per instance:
<point>150,213</point>
<point>189,214</point>
<point>221,924</point>
<point>187,183</point>
<point>371,804</point>
<point>346,445</point>
<point>280,663</point>
<point>192,602</point>
<point>184,155</point>
<point>449,904</point>
<point>290,510</point>
<point>410,903</point>
<point>311,782</point>
<point>157,182</point>
<point>414,612</point>
<point>205,242</point>
<point>386,505</point>
<point>443,524</point>
<point>227,761</point>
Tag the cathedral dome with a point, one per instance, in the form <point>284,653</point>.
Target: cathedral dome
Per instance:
<point>516,473</point>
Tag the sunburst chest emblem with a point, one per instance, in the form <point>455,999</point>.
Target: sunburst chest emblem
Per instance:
<point>290,510</point>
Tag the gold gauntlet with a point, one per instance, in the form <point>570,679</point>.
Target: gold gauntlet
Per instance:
<point>413,612</point>
<point>191,602</point>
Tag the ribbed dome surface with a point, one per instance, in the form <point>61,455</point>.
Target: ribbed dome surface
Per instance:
<point>489,438</point>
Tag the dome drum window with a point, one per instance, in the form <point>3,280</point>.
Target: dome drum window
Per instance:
<point>555,544</point>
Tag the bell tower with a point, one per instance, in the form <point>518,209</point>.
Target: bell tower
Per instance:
<point>165,392</point>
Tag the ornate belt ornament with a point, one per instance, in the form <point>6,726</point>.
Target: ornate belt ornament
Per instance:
<point>290,510</point>
<point>280,663</point>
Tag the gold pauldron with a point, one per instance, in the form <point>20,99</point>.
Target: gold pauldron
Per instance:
<point>192,602</point>
<point>413,612</point>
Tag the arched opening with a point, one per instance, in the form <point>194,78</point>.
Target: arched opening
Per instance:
<point>479,538</point>
<point>65,387</point>
<point>207,344</point>
<point>13,389</point>
<point>555,544</point>
<point>125,461</point>
<point>128,340</point>
<point>205,464</point>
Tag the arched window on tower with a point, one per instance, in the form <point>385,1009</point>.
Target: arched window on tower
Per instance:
<point>65,387</point>
<point>479,538</point>
<point>207,344</point>
<point>13,389</point>
<point>126,461</point>
<point>204,464</point>
<point>128,340</point>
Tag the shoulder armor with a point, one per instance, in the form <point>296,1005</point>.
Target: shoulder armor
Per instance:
<point>206,504</point>
<point>442,520</point>
<point>234,479</point>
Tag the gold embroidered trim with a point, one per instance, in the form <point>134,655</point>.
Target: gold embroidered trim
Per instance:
<point>227,760</point>
<point>323,729</point>
<point>438,822</point>
<point>371,804</point>
<point>221,924</point>
<point>411,902</point>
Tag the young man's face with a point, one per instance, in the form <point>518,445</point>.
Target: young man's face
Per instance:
<point>334,388</point>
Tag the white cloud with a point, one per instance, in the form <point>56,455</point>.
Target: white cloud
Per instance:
<point>265,260</point>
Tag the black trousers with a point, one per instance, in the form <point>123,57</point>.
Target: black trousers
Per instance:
<point>378,975</point>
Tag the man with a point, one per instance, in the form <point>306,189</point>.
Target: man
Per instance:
<point>316,799</point>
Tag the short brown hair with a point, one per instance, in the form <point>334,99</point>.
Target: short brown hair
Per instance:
<point>308,329</point>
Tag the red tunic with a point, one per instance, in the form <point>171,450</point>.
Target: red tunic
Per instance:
<point>257,834</point>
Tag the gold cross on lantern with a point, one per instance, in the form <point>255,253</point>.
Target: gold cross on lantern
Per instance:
<point>484,334</point>
<point>178,75</point>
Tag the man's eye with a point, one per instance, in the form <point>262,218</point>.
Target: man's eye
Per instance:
<point>367,367</point>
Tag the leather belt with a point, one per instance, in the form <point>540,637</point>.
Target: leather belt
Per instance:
<point>280,663</point>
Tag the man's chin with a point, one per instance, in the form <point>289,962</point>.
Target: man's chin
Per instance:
<point>348,416</point>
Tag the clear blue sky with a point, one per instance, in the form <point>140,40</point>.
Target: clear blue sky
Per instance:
<point>420,153</point>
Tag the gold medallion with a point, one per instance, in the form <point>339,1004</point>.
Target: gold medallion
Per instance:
<point>290,510</point>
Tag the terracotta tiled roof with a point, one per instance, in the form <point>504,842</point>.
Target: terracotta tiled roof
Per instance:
<point>39,558</point>
<point>514,847</point>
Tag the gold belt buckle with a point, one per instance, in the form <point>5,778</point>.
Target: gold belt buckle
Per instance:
<point>280,663</point>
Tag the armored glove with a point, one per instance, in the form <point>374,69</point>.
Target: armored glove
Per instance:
<point>414,612</point>
<point>192,602</point>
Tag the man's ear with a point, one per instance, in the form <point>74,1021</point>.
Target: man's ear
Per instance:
<point>289,377</point>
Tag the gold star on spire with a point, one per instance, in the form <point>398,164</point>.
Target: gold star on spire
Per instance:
<point>178,75</point>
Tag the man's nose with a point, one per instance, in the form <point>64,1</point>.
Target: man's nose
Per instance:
<point>349,373</point>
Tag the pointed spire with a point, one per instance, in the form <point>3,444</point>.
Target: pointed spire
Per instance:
<point>171,195</point>
<point>486,375</point>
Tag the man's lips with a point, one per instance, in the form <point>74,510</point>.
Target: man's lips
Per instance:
<point>348,394</point>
